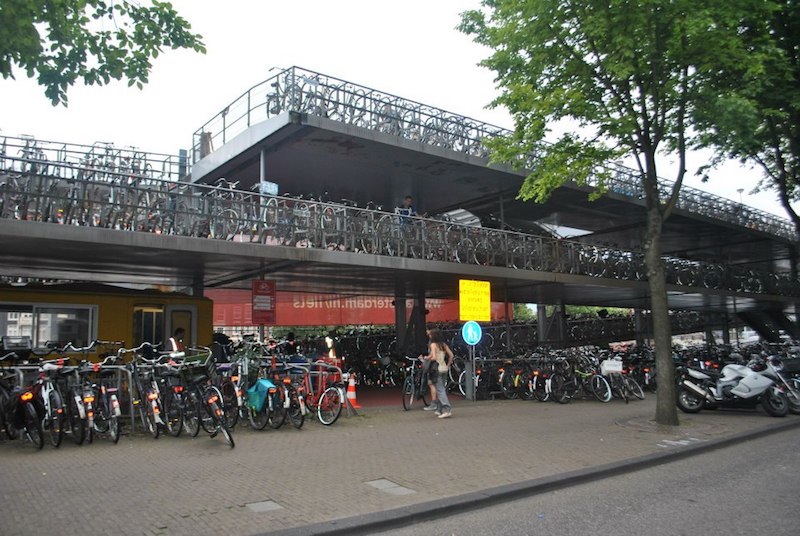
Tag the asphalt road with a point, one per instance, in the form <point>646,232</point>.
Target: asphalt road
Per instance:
<point>750,489</point>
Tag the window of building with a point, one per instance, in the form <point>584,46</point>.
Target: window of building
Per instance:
<point>54,323</point>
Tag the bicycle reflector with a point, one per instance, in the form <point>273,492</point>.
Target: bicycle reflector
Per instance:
<point>27,396</point>
<point>213,399</point>
<point>647,370</point>
<point>234,378</point>
<point>88,399</point>
<point>152,396</point>
<point>287,381</point>
<point>272,390</point>
<point>535,372</point>
<point>177,388</point>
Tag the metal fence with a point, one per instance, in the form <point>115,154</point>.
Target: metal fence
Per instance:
<point>117,200</point>
<point>101,160</point>
<point>304,91</point>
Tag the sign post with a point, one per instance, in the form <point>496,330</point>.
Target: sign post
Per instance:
<point>264,301</point>
<point>474,305</point>
<point>471,332</point>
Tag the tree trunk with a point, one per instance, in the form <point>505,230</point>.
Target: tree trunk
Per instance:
<point>666,410</point>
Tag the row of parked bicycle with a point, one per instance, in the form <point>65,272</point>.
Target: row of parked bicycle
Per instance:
<point>769,374</point>
<point>558,376</point>
<point>49,395</point>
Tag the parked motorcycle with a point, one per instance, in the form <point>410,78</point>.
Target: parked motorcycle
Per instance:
<point>736,386</point>
<point>772,367</point>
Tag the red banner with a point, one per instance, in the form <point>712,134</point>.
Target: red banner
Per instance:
<point>233,308</point>
<point>263,300</point>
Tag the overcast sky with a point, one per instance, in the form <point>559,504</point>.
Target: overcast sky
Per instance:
<point>408,48</point>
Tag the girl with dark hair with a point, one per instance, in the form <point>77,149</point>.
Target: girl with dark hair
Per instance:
<point>441,357</point>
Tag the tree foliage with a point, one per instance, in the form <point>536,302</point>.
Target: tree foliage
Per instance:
<point>62,41</point>
<point>755,117</point>
<point>523,313</point>
<point>626,78</point>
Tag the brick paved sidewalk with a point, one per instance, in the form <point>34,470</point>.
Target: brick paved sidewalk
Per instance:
<point>199,486</point>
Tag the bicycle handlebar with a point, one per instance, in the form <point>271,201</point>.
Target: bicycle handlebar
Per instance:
<point>122,351</point>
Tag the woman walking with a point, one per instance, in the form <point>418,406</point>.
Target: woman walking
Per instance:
<point>441,357</point>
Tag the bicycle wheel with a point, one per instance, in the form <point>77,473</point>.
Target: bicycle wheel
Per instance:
<point>329,406</point>
<point>191,414</point>
<point>114,428</point>
<point>173,413</point>
<point>634,388</point>
<point>33,426</point>
<point>408,393</point>
<point>76,428</point>
<point>462,383</point>
<point>258,420</point>
<point>508,387</point>
<point>226,433</point>
<point>230,403</point>
<point>618,388</point>
<point>539,388</point>
<point>295,412</point>
<point>558,389</point>
<point>600,388</point>
<point>209,421</point>
<point>149,419</point>
<point>277,415</point>
<point>55,421</point>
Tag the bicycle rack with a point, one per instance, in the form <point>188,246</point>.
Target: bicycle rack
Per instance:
<point>22,369</point>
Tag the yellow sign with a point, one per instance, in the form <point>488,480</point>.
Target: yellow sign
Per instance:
<point>474,300</point>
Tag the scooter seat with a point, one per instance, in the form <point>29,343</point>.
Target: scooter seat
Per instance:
<point>707,372</point>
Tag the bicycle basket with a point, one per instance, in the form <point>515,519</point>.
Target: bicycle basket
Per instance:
<point>610,366</point>
<point>257,394</point>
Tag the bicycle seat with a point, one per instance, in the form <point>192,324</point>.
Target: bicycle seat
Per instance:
<point>198,378</point>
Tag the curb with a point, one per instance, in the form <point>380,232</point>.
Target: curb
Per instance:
<point>407,515</point>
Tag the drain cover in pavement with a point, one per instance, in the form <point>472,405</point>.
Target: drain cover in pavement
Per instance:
<point>387,486</point>
<point>264,506</point>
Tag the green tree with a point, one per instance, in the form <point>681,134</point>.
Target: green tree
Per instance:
<point>628,73</point>
<point>756,118</point>
<point>522,312</point>
<point>62,41</point>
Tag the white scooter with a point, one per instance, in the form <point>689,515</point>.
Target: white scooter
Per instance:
<point>736,386</point>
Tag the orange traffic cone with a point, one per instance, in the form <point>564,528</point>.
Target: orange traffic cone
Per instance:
<point>351,392</point>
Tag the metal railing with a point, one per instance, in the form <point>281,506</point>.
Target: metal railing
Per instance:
<point>101,160</point>
<point>119,201</point>
<point>300,90</point>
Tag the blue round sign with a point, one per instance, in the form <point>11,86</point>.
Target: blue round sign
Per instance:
<point>471,332</point>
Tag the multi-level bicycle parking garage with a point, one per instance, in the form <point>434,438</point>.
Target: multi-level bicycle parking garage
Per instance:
<point>338,153</point>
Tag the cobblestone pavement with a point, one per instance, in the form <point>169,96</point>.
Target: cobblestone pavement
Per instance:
<point>198,486</point>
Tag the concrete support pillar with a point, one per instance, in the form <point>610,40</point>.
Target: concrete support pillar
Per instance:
<point>400,312</point>
<point>197,285</point>
<point>552,329</point>
<point>508,315</point>
<point>639,327</point>
<point>709,334</point>
<point>420,338</point>
<point>262,166</point>
<point>726,329</point>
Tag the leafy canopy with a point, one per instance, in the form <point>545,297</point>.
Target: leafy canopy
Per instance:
<point>62,41</point>
<point>628,73</point>
<point>756,117</point>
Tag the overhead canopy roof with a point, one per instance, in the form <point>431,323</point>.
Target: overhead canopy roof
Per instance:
<point>311,155</point>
